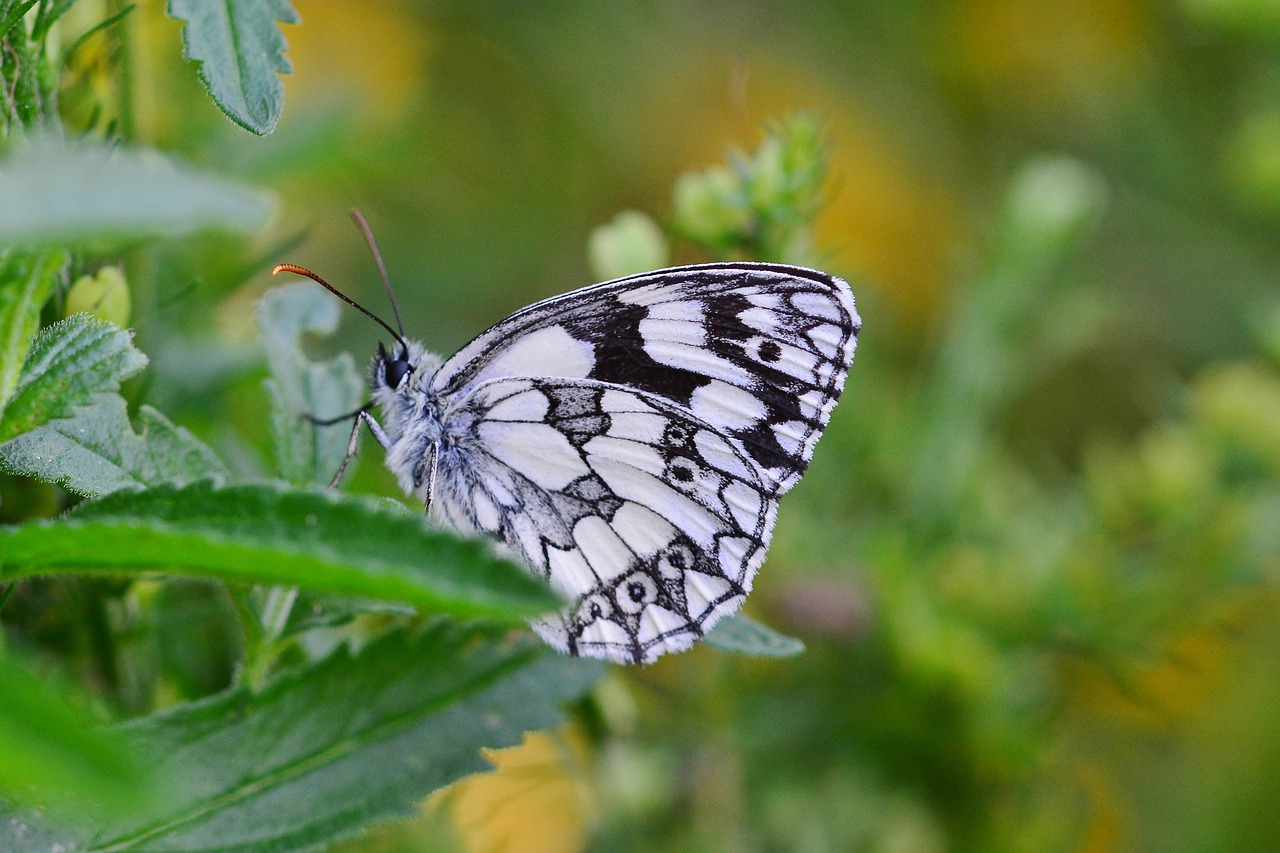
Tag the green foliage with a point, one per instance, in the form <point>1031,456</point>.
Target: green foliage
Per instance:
<point>69,363</point>
<point>389,718</point>
<point>998,599</point>
<point>51,752</point>
<point>271,534</point>
<point>29,99</point>
<point>56,191</point>
<point>760,205</point>
<point>1000,341</point>
<point>70,426</point>
<point>240,50</point>
<point>299,386</point>
<point>97,451</point>
<point>744,635</point>
<point>11,12</point>
<point>26,283</point>
<point>326,750</point>
<point>1033,563</point>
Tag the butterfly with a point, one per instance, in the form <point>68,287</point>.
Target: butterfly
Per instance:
<point>628,442</point>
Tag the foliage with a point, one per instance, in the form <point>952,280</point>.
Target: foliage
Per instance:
<point>240,50</point>
<point>325,390</point>
<point>388,714</point>
<point>1032,568</point>
<point>351,740</point>
<point>56,752</point>
<point>59,192</point>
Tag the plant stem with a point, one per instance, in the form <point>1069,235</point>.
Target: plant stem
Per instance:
<point>117,10</point>
<point>26,88</point>
<point>275,613</point>
<point>271,623</point>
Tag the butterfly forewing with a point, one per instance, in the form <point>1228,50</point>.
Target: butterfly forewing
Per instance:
<point>758,352</point>
<point>645,518</point>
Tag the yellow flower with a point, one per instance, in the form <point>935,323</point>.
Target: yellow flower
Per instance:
<point>533,801</point>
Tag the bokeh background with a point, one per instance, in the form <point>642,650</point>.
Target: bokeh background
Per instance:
<point>1034,559</point>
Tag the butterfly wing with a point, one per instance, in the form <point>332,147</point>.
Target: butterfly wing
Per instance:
<point>647,519</point>
<point>759,352</point>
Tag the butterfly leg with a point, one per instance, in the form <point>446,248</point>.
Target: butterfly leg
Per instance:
<point>361,417</point>
<point>433,465</point>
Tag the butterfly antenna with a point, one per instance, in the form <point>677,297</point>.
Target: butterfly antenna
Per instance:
<point>382,268</point>
<point>297,270</point>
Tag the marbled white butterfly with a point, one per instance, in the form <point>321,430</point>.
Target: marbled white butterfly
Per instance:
<point>629,441</point>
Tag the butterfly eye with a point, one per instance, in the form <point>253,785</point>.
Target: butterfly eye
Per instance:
<point>394,369</point>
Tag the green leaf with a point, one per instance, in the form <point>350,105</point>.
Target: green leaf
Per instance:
<point>52,753</point>
<point>345,744</point>
<point>26,282</point>
<point>66,425</point>
<point>69,362</point>
<point>96,451</point>
<point>49,14</point>
<point>11,13</point>
<point>745,636</point>
<point>267,533</point>
<point>53,191</point>
<point>306,453</point>
<point>240,50</point>
<point>109,21</point>
<point>326,611</point>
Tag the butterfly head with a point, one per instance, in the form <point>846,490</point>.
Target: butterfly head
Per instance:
<point>400,369</point>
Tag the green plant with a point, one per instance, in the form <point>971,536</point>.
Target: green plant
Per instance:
<point>321,702</point>
<point>423,696</point>
<point>1033,562</point>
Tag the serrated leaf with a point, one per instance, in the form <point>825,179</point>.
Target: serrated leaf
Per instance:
<point>745,636</point>
<point>68,363</point>
<point>240,49</point>
<point>348,743</point>
<point>66,425</point>
<point>96,451</point>
<point>26,283</point>
<point>53,191</point>
<point>51,753</point>
<point>306,453</point>
<point>268,533</point>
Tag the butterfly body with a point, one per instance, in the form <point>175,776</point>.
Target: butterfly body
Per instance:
<point>628,441</point>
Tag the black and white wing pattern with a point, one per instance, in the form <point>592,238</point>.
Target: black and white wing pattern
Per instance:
<point>629,441</point>
<point>647,520</point>
<point>757,351</point>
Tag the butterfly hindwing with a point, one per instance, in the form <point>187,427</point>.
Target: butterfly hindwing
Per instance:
<point>647,519</point>
<point>757,351</point>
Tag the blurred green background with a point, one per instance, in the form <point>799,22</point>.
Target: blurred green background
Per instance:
<point>1034,559</point>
